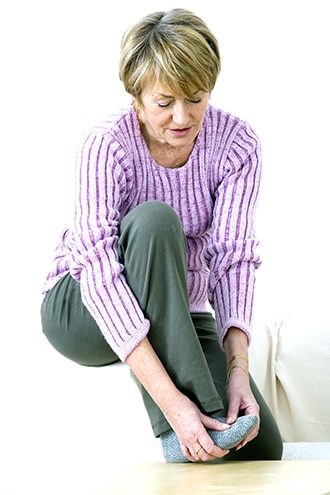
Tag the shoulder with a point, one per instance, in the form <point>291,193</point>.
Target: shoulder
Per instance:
<point>224,133</point>
<point>121,124</point>
<point>118,130</point>
<point>225,124</point>
<point>117,136</point>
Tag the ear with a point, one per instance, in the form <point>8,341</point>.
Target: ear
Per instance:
<point>136,105</point>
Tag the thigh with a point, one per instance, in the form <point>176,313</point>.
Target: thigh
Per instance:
<point>70,328</point>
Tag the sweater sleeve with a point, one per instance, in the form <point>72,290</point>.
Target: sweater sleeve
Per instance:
<point>232,252</point>
<point>101,182</point>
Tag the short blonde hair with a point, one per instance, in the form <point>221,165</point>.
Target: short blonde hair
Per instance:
<point>174,48</point>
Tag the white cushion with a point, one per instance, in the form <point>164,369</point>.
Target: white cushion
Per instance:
<point>290,361</point>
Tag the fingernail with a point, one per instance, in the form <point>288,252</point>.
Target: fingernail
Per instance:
<point>241,445</point>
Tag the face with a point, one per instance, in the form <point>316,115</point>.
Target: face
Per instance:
<point>171,119</point>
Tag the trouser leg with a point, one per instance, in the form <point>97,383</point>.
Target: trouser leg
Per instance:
<point>152,247</point>
<point>268,444</point>
<point>70,328</point>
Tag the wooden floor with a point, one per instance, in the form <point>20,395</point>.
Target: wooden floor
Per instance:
<point>266,477</point>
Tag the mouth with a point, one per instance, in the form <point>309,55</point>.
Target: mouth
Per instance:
<point>180,132</point>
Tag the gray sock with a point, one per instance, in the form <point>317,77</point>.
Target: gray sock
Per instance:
<point>224,439</point>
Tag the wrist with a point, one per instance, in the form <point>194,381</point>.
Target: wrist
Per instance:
<point>235,342</point>
<point>236,348</point>
<point>237,370</point>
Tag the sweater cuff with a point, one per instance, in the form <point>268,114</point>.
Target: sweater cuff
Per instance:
<point>233,322</point>
<point>127,346</point>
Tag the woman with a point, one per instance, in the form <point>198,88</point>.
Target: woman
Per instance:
<point>163,225</point>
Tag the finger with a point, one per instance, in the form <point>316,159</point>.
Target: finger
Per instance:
<point>201,455</point>
<point>198,449</point>
<point>233,412</point>
<point>194,454</point>
<point>253,434</point>
<point>198,454</point>
<point>210,448</point>
<point>187,454</point>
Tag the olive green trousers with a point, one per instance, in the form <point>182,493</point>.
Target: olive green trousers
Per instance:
<point>152,248</point>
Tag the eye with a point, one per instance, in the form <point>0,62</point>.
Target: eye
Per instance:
<point>195,101</point>
<point>163,105</point>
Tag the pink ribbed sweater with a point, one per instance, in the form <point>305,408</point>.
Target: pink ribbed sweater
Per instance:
<point>214,194</point>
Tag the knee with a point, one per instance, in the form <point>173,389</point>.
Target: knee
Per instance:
<point>152,218</point>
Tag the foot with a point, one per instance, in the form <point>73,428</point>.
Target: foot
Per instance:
<point>226,439</point>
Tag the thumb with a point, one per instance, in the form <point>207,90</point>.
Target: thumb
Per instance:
<point>232,413</point>
<point>214,424</point>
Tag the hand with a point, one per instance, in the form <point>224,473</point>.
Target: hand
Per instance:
<point>182,414</point>
<point>190,426</point>
<point>241,401</point>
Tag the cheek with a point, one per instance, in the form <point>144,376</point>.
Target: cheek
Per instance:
<point>159,123</point>
<point>200,116</point>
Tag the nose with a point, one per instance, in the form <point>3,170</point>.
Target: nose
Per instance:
<point>180,115</point>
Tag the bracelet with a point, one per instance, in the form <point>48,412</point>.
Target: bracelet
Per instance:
<point>236,366</point>
<point>236,356</point>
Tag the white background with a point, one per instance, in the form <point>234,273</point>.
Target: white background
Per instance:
<point>58,76</point>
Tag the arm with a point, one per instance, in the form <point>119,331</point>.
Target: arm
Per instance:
<point>233,250</point>
<point>102,181</point>
<point>240,397</point>
<point>233,259</point>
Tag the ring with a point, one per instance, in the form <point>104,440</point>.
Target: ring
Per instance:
<point>197,450</point>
